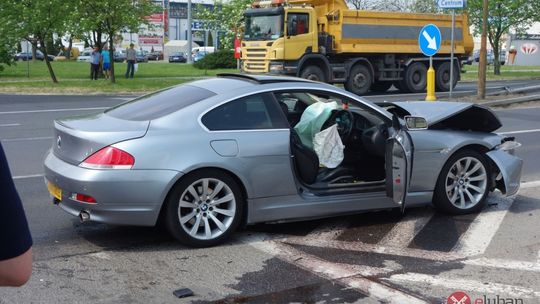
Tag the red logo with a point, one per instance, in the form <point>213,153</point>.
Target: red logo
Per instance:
<point>458,297</point>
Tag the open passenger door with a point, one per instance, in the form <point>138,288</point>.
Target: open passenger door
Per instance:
<point>398,162</point>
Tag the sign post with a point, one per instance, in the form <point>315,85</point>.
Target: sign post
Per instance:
<point>452,4</point>
<point>429,41</point>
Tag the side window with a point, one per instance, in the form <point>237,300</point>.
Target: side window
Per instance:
<point>297,24</point>
<point>258,111</point>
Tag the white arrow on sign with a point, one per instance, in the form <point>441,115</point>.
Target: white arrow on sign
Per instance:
<point>432,42</point>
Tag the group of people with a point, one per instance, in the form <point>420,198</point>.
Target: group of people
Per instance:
<point>97,57</point>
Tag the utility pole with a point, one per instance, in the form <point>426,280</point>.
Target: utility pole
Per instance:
<point>482,61</point>
<point>189,38</point>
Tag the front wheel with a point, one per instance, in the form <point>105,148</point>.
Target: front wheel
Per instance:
<point>359,80</point>
<point>204,208</point>
<point>463,183</point>
<point>312,72</point>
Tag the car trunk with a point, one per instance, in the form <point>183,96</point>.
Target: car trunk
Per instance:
<point>79,137</point>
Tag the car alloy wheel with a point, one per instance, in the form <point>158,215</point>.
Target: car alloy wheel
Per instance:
<point>466,182</point>
<point>206,208</point>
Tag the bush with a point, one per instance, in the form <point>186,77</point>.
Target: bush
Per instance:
<point>223,59</point>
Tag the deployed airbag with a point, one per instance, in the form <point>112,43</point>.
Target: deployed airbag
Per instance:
<point>312,121</point>
<point>328,146</point>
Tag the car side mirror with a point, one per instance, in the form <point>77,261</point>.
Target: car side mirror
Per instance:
<point>415,123</point>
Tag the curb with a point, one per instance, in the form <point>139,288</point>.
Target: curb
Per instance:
<point>510,101</point>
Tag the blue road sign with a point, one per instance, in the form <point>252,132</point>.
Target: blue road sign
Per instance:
<point>429,39</point>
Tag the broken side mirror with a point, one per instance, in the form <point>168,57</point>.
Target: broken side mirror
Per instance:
<point>415,123</point>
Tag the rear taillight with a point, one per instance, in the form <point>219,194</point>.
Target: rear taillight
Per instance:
<point>83,198</point>
<point>109,158</point>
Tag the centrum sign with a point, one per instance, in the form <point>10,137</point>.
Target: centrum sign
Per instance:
<point>451,3</point>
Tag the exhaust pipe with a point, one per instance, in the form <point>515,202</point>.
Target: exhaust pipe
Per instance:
<point>84,216</point>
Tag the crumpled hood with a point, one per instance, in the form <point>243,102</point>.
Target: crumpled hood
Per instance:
<point>453,115</point>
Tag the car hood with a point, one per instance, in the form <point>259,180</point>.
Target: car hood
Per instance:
<point>453,115</point>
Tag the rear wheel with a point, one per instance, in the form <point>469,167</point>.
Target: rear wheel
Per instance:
<point>312,72</point>
<point>204,208</point>
<point>442,77</point>
<point>463,184</point>
<point>359,80</point>
<point>415,78</point>
<point>381,86</point>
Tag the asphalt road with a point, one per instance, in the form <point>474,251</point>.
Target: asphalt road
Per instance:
<point>368,258</point>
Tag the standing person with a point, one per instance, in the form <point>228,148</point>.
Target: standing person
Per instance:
<point>131,57</point>
<point>15,239</point>
<point>106,61</point>
<point>95,59</point>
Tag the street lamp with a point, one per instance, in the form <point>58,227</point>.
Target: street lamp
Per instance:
<point>189,38</point>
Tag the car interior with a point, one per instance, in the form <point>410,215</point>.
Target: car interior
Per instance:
<point>362,132</point>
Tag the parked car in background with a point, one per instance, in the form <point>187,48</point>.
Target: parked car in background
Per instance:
<point>84,56</point>
<point>24,56</point>
<point>155,56</point>
<point>141,56</point>
<point>119,56</point>
<point>490,57</point>
<point>199,55</point>
<point>177,57</point>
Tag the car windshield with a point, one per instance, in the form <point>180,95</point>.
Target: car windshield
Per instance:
<point>177,54</point>
<point>160,103</point>
<point>269,27</point>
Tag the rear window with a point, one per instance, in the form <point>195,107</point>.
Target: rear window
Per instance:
<point>160,103</point>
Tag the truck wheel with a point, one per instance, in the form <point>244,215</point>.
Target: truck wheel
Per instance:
<point>381,86</point>
<point>359,80</point>
<point>442,77</point>
<point>312,72</point>
<point>415,78</point>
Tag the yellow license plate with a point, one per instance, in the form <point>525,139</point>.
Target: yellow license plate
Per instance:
<point>54,191</point>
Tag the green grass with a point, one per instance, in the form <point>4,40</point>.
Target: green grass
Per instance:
<point>74,77</point>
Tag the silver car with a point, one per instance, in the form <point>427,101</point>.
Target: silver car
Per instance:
<point>210,155</point>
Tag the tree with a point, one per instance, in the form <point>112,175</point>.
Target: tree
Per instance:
<point>36,21</point>
<point>225,17</point>
<point>108,18</point>
<point>8,40</point>
<point>516,15</point>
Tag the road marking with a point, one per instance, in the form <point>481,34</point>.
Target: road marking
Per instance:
<point>405,230</point>
<point>484,227</point>
<point>505,264</point>
<point>28,176</point>
<point>10,125</point>
<point>462,284</point>
<point>519,132</point>
<point>350,275</point>
<point>526,185</point>
<point>25,139</point>
<point>53,110</point>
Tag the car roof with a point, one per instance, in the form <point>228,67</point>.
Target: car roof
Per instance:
<point>262,79</point>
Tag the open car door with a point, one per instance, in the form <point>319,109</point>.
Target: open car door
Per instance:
<point>398,162</point>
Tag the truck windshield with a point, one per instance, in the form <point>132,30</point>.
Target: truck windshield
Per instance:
<point>260,27</point>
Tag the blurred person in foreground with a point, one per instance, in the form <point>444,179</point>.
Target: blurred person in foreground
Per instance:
<point>15,239</point>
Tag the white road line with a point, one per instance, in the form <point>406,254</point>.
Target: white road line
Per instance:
<point>462,284</point>
<point>27,176</point>
<point>10,125</point>
<point>349,275</point>
<point>369,248</point>
<point>505,264</point>
<point>328,231</point>
<point>519,132</point>
<point>532,184</point>
<point>25,139</point>
<point>405,230</point>
<point>53,110</point>
<point>484,227</point>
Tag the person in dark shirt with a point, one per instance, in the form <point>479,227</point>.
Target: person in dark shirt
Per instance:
<point>15,239</point>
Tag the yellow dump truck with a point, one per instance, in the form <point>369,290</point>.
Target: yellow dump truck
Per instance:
<point>324,40</point>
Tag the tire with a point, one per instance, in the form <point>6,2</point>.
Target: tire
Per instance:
<point>187,222</point>
<point>313,72</point>
<point>442,77</point>
<point>466,193</point>
<point>415,78</point>
<point>360,80</point>
<point>381,86</point>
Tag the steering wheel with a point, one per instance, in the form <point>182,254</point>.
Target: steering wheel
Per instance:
<point>374,139</point>
<point>345,123</point>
